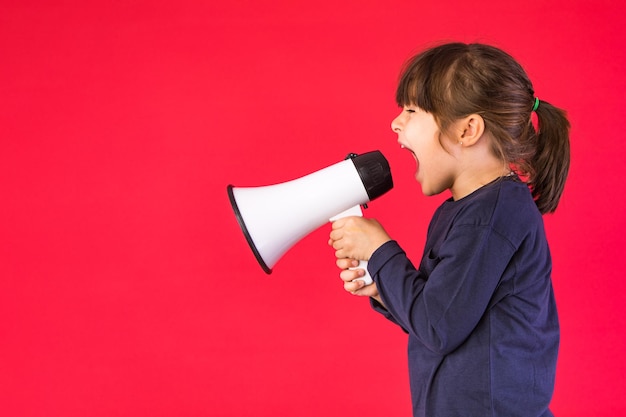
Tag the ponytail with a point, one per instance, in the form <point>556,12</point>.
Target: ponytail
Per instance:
<point>550,163</point>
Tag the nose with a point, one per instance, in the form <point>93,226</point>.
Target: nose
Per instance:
<point>396,126</point>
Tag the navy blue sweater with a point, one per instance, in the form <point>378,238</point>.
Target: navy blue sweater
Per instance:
<point>480,309</point>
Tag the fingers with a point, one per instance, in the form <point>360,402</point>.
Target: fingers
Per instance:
<point>359,288</point>
<point>345,263</point>
<point>356,237</point>
<point>347,235</point>
<point>353,286</point>
<point>351,281</point>
<point>339,223</point>
<point>349,275</point>
<point>336,234</point>
<point>341,248</point>
<point>338,226</point>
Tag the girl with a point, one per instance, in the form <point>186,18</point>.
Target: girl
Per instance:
<point>479,309</point>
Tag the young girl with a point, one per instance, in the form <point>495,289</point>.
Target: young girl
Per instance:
<point>479,309</point>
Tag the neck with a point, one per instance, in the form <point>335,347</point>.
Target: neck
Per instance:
<point>478,166</point>
<point>465,185</point>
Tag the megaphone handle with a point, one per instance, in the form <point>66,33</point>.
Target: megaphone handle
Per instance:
<point>356,211</point>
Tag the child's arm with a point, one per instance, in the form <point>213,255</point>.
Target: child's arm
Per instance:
<point>443,309</point>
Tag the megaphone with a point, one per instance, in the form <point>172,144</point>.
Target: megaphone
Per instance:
<point>273,218</point>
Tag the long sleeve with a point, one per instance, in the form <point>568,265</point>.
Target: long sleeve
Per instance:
<point>441,302</point>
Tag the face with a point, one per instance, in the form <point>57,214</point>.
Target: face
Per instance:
<point>433,151</point>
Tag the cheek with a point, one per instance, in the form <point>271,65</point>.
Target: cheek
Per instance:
<point>426,142</point>
<point>448,144</point>
<point>422,134</point>
<point>417,136</point>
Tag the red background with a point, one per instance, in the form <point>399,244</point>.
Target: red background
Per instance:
<point>127,288</point>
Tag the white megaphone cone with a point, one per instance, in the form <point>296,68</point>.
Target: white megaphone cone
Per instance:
<point>274,218</point>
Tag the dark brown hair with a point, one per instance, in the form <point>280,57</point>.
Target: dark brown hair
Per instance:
<point>455,80</point>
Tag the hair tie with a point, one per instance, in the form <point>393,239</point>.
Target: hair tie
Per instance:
<point>536,105</point>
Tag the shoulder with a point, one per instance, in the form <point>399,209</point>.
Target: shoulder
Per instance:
<point>505,206</point>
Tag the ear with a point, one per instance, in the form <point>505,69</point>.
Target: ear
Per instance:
<point>470,129</point>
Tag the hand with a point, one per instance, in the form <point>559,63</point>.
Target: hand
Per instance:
<point>356,237</point>
<point>351,283</point>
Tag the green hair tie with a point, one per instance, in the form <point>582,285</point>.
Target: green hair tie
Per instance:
<point>536,105</point>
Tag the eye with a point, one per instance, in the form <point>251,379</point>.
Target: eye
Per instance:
<point>410,110</point>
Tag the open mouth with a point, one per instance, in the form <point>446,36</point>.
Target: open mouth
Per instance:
<point>408,149</point>
<point>417,162</point>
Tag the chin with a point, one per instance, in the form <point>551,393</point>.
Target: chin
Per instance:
<point>430,191</point>
<point>425,190</point>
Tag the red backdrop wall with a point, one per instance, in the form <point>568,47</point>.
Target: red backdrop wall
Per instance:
<point>127,288</point>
